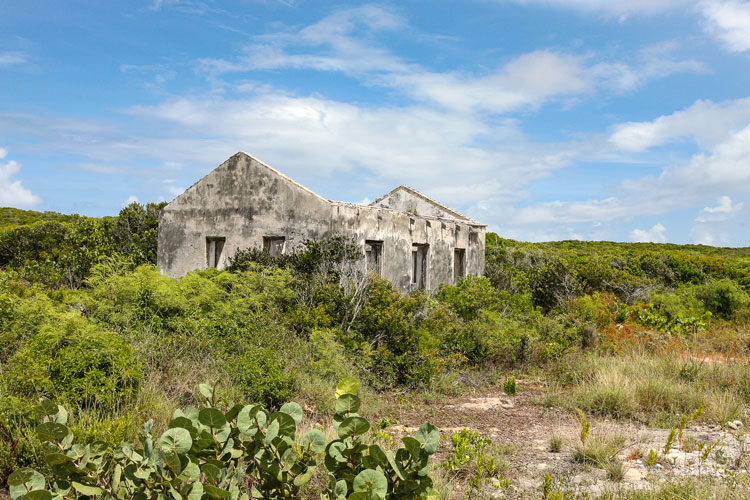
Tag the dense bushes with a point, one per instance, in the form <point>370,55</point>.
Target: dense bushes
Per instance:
<point>60,251</point>
<point>75,362</point>
<point>236,452</point>
<point>131,342</point>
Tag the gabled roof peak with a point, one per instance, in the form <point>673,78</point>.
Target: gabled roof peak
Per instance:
<point>418,194</point>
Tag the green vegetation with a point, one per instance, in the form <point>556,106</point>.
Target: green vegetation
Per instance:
<point>60,250</point>
<point>239,452</point>
<point>618,330</point>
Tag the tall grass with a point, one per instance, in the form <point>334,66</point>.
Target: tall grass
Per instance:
<point>641,385</point>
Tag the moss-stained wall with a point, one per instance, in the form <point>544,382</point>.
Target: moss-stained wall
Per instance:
<point>244,200</point>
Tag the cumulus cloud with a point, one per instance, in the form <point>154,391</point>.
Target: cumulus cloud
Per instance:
<point>729,22</point>
<point>704,176</point>
<point>716,225</point>
<point>12,192</point>
<point>346,42</point>
<point>131,199</point>
<point>705,122</point>
<point>657,234</point>
<point>721,212</point>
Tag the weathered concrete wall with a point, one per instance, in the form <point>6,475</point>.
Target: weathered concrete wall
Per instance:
<point>404,199</point>
<point>399,231</point>
<point>244,200</point>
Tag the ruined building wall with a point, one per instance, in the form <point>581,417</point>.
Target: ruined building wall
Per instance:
<point>246,204</point>
<point>242,201</point>
<point>405,199</point>
<point>399,233</point>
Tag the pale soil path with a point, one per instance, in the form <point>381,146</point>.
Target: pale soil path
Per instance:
<point>523,427</point>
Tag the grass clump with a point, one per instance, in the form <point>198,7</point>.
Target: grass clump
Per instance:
<point>476,458</point>
<point>652,387</point>
<point>555,443</point>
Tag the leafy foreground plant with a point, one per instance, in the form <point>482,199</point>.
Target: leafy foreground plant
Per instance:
<point>237,454</point>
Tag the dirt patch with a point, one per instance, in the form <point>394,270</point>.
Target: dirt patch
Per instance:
<point>525,427</point>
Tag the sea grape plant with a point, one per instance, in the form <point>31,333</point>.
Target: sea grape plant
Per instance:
<point>361,471</point>
<point>240,453</point>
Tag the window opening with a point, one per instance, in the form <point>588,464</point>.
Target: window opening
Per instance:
<point>419,266</point>
<point>459,264</point>
<point>273,245</point>
<point>214,247</point>
<point>374,256</point>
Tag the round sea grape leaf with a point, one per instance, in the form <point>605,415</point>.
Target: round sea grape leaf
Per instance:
<point>191,472</point>
<point>206,390</point>
<point>233,411</point>
<point>373,481</point>
<point>176,439</point>
<point>214,492</point>
<point>336,450</point>
<point>57,458</point>
<point>395,465</point>
<point>51,431</point>
<point>363,495</point>
<point>212,472</point>
<point>353,426</point>
<point>377,454</point>
<point>196,491</point>
<point>212,418</point>
<point>315,439</point>
<point>347,385</point>
<point>304,478</point>
<point>223,433</point>
<point>246,420</point>
<point>287,425</point>
<point>293,410</point>
<point>340,489</point>
<point>48,407</point>
<point>412,445</point>
<point>61,417</point>
<point>86,489</point>
<point>429,436</point>
<point>184,423</point>
<point>271,432</point>
<point>37,495</point>
<point>348,403</point>
<point>171,459</point>
<point>24,480</point>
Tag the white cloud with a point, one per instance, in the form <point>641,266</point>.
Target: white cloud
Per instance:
<point>416,144</point>
<point>657,234</point>
<point>131,199</point>
<point>650,63</point>
<point>12,192</point>
<point>720,224</point>
<point>13,58</point>
<point>615,8</point>
<point>704,177</point>
<point>729,22</point>
<point>346,42</point>
<point>721,212</point>
<point>705,122</point>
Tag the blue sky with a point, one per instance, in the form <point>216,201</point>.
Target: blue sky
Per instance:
<point>624,120</point>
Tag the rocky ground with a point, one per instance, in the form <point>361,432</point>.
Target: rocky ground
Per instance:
<point>523,428</point>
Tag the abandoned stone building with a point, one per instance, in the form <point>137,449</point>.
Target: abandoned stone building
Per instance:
<point>406,237</point>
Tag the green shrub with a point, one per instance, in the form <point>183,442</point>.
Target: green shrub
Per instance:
<point>470,296</point>
<point>77,362</point>
<point>262,376</point>
<point>240,452</point>
<point>723,297</point>
<point>475,457</point>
